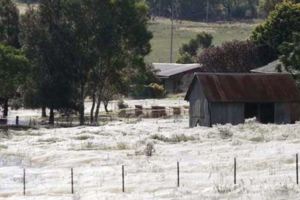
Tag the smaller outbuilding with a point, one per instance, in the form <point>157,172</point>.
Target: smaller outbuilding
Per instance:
<point>219,98</point>
<point>273,67</point>
<point>176,78</point>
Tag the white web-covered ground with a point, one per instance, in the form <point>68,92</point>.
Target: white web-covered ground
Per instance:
<point>265,161</point>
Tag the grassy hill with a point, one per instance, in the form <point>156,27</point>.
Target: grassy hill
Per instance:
<point>184,31</point>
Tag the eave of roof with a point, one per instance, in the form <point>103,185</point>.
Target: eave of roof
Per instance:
<point>166,70</point>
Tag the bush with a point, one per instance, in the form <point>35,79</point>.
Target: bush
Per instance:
<point>235,56</point>
<point>173,139</point>
<point>156,90</point>
<point>188,52</point>
<point>149,150</point>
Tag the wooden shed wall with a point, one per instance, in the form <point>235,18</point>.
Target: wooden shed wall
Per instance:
<point>282,113</point>
<point>295,112</point>
<point>199,110</point>
<point>223,113</point>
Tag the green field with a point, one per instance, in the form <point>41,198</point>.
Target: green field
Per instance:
<point>185,30</point>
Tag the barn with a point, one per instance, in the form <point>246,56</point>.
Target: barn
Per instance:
<point>176,78</point>
<point>220,98</point>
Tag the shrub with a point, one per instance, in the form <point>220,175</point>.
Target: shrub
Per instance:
<point>173,139</point>
<point>235,56</point>
<point>225,133</point>
<point>156,90</point>
<point>149,150</point>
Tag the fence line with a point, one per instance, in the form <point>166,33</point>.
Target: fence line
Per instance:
<point>155,112</point>
<point>24,180</point>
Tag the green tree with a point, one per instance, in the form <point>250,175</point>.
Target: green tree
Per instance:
<point>9,23</point>
<point>279,26</point>
<point>49,43</point>
<point>291,55</point>
<point>267,6</point>
<point>80,47</point>
<point>188,52</point>
<point>122,41</point>
<point>14,67</point>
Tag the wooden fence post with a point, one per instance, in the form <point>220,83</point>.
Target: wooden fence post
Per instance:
<point>178,175</point>
<point>123,179</point>
<point>17,120</point>
<point>297,170</point>
<point>72,181</point>
<point>234,171</point>
<point>24,181</point>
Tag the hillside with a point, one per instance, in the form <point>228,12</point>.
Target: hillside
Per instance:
<point>185,30</point>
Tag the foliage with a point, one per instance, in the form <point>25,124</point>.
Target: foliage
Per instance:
<point>188,52</point>
<point>48,41</point>
<point>174,138</point>
<point>235,56</point>
<point>149,150</point>
<point>9,23</point>
<point>267,6</point>
<point>81,50</point>
<point>291,54</point>
<point>205,10</point>
<point>279,26</point>
<point>140,80</point>
<point>156,91</point>
<point>14,68</point>
<point>117,37</point>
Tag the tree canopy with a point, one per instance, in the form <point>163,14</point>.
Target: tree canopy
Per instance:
<point>235,56</point>
<point>81,47</point>
<point>188,52</point>
<point>9,23</point>
<point>14,67</point>
<point>279,26</point>
<point>290,54</point>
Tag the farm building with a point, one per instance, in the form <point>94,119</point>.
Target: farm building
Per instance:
<point>273,67</point>
<point>176,78</point>
<point>231,98</point>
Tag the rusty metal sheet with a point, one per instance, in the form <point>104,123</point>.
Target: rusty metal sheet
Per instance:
<point>230,87</point>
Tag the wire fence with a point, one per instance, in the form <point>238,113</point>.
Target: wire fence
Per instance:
<point>122,114</point>
<point>125,178</point>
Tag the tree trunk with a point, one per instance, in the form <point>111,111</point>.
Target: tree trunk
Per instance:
<point>81,113</point>
<point>44,113</point>
<point>5,108</point>
<point>51,116</point>
<point>106,106</point>
<point>97,109</point>
<point>81,106</point>
<point>92,109</point>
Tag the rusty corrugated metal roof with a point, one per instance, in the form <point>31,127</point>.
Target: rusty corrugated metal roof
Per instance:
<point>222,87</point>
